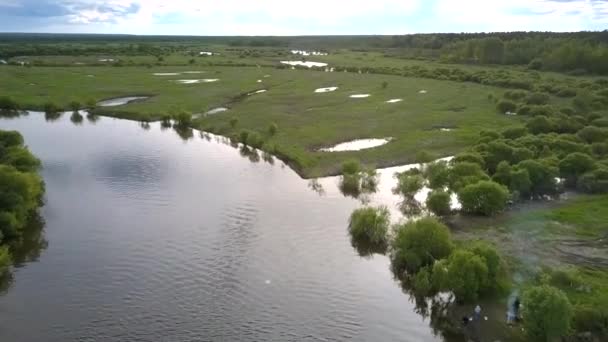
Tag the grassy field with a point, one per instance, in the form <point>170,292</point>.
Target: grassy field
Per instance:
<point>306,120</point>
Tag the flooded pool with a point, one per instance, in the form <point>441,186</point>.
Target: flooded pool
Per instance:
<point>326,90</point>
<point>119,101</point>
<point>357,145</point>
<point>307,64</point>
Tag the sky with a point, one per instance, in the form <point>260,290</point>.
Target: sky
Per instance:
<point>302,17</point>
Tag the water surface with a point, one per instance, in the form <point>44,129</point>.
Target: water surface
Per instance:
<point>154,238</point>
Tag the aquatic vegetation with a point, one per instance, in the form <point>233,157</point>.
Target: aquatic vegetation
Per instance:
<point>439,202</point>
<point>370,225</point>
<point>8,104</point>
<point>419,244</point>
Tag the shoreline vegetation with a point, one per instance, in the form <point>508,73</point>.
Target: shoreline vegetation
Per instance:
<point>520,133</point>
<point>21,192</point>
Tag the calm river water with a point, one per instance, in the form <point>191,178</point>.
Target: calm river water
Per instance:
<point>153,238</point>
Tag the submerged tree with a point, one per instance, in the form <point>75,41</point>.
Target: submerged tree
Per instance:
<point>484,198</point>
<point>419,244</point>
<point>369,226</point>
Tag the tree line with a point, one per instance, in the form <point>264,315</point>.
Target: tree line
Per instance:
<point>21,190</point>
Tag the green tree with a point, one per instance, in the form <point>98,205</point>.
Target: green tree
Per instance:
<point>483,198</point>
<point>465,173</point>
<point>7,103</point>
<point>520,182</point>
<point>272,129</point>
<point>351,167</point>
<point>467,274</point>
<point>591,134</point>
<point>493,261</point>
<point>184,119</point>
<point>540,124</point>
<point>234,122</point>
<point>408,185</point>
<point>5,259</point>
<point>370,225</point>
<point>419,244</point>
<point>574,165</point>
<point>437,174</point>
<point>505,106</point>
<point>503,173</point>
<point>548,313</point>
<point>439,202</point>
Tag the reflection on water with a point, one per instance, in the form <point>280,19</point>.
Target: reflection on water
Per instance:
<point>24,250</point>
<point>151,237</point>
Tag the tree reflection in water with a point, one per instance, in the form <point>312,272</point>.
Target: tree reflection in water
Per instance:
<point>25,249</point>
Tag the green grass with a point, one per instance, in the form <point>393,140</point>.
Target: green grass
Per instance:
<point>305,120</point>
<point>588,216</point>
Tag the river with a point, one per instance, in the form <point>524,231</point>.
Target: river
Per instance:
<point>153,238</point>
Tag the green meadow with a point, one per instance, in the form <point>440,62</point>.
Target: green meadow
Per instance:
<point>306,120</point>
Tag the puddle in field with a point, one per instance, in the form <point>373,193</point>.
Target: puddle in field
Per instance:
<point>165,73</point>
<point>357,145</point>
<point>193,72</point>
<point>257,92</point>
<point>216,110</point>
<point>359,96</point>
<point>119,101</point>
<point>308,53</point>
<point>326,90</point>
<point>422,92</point>
<point>306,64</point>
<point>107,60</point>
<point>394,100</point>
<point>206,80</point>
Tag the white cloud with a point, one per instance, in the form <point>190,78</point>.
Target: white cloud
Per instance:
<point>519,15</point>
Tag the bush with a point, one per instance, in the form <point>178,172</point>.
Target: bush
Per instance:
<point>351,167</point>
<point>439,203</point>
<point>272,129</point>
<point>535,64</point>
<point>548,313</point>
<point>591,134</point>
<point>5,259</point>
<point>537,99</point>
<point>234,122</point>
<point>591,319</point>
<point>183,119</point>
<point>370,225</point>
<point>51,108</point>
<point>75,106</point>
<point>424,157</point>
<point>465,173</point>
<point>419,244</point>
<point>467,274</point>
<point>484,198</point>
<point>437,174</point>
<point>515,94</point>
<point>540,124</point>
<point>422,282</point>
<point>255,140</point>
<point>493,261</point>
<point>408,185</point>
<point>505,106</point>
<point>575,164</point>
<point>6,103</point>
